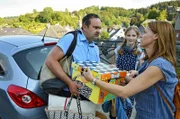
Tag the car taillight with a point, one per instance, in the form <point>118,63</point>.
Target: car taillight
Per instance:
<point>49,44</point>
<point>24,98</point>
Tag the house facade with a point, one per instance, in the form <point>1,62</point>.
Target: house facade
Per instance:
<point>117,34</point>
<point>55,31</point>
<point>14,31</point>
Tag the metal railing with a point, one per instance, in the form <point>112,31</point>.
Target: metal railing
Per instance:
<point>105,47</point>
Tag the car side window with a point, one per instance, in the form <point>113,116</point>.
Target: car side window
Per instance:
<point>3,65</point>
<point>37,57</point>
<point>2,72</point>
<point>31,60</point>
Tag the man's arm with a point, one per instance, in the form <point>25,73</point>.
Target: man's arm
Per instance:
<point>52,62</point>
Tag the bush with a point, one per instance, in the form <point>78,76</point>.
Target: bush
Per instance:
<point>178,71</point>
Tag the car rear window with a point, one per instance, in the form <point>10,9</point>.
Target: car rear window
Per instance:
<point>31,60</point>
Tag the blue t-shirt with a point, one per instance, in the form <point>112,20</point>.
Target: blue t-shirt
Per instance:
<point>149,103</point>
<point>84,51</point>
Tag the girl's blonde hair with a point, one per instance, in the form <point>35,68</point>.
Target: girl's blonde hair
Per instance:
<point>135,50</point>
<point>165,46</point>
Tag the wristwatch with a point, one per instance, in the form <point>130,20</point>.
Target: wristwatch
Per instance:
<point>94,81</point>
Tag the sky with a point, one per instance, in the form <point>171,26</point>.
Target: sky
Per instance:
<point>20,7</point>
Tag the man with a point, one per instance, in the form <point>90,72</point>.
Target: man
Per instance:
<point>85,50</point>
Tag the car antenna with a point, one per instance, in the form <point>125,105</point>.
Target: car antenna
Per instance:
<point>47,27</point>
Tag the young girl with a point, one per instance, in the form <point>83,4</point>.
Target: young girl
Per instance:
<point>128,55</point>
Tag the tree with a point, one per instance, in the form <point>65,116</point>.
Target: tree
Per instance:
<point>35,11</point>
<point>23,18</point>
<point>153,14</point>
<point>162,15</point>
<point>67,11</point>
<point>133,21</point>
<point>104,35</point>
<point>46,15</point>
<point>2,21</point>
<point>137,19</point>
<point>125,24</point>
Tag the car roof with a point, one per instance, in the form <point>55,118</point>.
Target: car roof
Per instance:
<point>20,40</point>
<point>15,43</point>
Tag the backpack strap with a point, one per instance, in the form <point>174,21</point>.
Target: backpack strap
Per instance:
<point>73,43</point>
<point>165,100</point>
<point>70,49</point>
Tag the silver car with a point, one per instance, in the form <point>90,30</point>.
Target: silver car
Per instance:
<point>21,58</point>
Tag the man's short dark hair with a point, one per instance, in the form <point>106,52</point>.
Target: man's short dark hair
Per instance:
<point>86,19</point>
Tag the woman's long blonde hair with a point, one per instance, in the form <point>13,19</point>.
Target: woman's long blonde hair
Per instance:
<point>136,50</point>
<point>165,46</point>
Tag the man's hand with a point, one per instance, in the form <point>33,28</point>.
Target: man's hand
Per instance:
<point>73,87</point>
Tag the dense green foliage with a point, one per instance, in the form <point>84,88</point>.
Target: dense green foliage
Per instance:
<point>178,71</point>
<point>110,16</point>
<point>105,35</point>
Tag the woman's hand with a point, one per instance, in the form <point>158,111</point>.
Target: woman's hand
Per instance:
<point>88,75</point>
<point>132,73</point>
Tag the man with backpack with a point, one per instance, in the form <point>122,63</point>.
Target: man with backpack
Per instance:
<point>85,50</point>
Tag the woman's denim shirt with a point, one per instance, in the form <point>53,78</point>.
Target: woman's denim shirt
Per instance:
<point>149,103</point>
